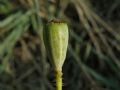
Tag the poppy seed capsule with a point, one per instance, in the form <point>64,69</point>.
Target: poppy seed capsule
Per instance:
<point>55,37</point>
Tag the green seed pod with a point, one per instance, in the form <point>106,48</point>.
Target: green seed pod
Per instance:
<point>56,41</point>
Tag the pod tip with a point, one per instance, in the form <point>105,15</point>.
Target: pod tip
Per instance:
<point>56,21</point>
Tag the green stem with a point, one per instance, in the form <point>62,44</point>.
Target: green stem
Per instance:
<point>58,80</point>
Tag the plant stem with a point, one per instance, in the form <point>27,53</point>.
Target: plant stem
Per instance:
<point>58,80</point>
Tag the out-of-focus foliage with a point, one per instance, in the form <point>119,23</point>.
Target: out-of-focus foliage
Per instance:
<point>93,61</point>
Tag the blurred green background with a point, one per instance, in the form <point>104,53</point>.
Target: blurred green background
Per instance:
<point>93,58</point>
